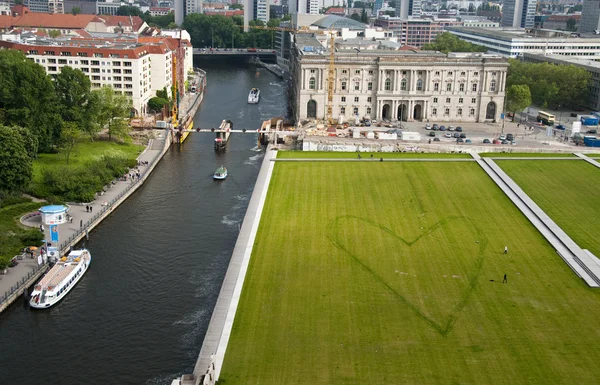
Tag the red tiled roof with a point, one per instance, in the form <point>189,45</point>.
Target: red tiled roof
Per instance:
<point>408,48</point>
<point>135,22</point>
<point>19,10</point>
<point>236,12</point>
<point>7,21</point>
<point>57,20</point>
<point>134,52</point>
<point>334,10</point>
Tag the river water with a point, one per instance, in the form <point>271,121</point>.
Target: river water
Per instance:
<point>140,313</point>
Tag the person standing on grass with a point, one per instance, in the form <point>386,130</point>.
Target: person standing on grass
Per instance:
<point>505,249</point>
<point>505,280</point>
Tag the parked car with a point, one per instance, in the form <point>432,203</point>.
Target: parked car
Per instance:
<point>502,137</point>
<point>573,114</point>
<point>457,135</point>
<point>428,126</point>
<point>496,141</point>
<point>561,127</point>
<point>435,127</point>
<point>442,128</point>
<point>436,139</point>
<point>510,137</point>
<point>591,132</point>
<point>514,143</point>
<point>504,141</point>
<point>432,133</point>
<point>448,135</point>
<point>459,140</point>
<point>463,135</point>
<point>486,141</point>
<point>459,129</point>
<point>468,141</point>
<point>450,128</point>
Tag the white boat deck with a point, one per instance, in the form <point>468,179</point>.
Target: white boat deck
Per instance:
<point>57,274</point>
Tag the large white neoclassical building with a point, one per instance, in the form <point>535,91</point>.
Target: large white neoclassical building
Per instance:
<point>373,82</point>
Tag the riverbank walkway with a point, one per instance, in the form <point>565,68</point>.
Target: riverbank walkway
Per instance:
<point>27,272</point>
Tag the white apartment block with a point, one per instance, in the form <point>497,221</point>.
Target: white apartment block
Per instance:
<point>397,85</point>
<point>108,7</point>
<point>193,6</point>
<point>124,67</point>
<point>516,42</point>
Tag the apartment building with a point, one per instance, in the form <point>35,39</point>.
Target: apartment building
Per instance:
<point>416,32</point>
<point>397,85</point>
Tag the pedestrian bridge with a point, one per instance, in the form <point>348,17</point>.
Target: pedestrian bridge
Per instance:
<point>239,52</point>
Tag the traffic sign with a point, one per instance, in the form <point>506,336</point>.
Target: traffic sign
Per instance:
<point>502,115</point>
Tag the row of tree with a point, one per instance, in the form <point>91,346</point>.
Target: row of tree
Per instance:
<point>51,113</point>
<point>447,42</point>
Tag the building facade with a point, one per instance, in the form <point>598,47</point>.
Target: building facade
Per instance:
<point>516,43</point>
<point>186,7</point>
<point>518,13</point>
<point>404,86</point>
<point>107,7</point>
<point>590,16</point>
<point>406,8</point>
<point>415,32</point>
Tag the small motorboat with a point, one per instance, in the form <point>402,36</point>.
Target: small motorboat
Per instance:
<point>254,96</point>
<point>221,173</point>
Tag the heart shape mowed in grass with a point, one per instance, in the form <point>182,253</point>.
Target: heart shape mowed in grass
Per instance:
<point>435,287</point>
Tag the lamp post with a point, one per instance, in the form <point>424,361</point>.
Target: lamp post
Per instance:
<point>212,36</point>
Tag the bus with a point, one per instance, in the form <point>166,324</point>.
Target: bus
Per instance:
<point>546,118</point>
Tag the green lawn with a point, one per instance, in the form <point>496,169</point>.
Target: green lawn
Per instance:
<point>365,155</point>
<point>568,191</point>
<point>380,273</point>
<point>83,153</point>
<point>10,229</point>
<point>523,155</point>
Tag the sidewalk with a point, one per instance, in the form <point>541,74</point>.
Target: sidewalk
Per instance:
<point>12,284</point>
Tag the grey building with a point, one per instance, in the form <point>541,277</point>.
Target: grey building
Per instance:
<point>186,7</point>
<point>406,8</point>
<point>590,16</point>
<point>518,13</point>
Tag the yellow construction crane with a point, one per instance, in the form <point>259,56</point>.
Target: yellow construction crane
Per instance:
<point>331,67</point>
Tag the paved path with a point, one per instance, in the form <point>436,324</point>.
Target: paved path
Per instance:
<point>585,266</point>
<point>102,206</point>
<point>589,160</point>
<point>221,322</point>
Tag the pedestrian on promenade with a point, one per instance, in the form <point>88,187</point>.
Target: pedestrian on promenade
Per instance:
<point>505,249</point>
<point>90,208</point>
<point>505,280</point>
<point>371,156</point>
<point>87,208</point>
<point>81,223</point>
<point>70,219</point>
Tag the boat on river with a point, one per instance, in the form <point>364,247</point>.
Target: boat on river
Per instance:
<point>221,173</point>
<point>254,96</point>
<point>60,279</point>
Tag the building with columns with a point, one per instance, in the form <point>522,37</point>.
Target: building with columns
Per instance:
<point>405,85</point>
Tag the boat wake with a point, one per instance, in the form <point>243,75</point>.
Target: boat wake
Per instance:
<point>253,159</point>
<point>256,149</point>
<point>235,218</point>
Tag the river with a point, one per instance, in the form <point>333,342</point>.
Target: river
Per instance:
<point>140,314</point>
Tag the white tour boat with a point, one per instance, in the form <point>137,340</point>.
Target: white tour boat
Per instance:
<point>59,280</point>
<point>254,96</point>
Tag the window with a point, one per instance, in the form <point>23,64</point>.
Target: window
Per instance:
<point>96,70</point>
<point>65,53</point>
<point>128,79</point>
<point>98,55</point>
<point>356,86</point>
<point>437,73</point>
<point>369,99</point>
<point>460,100</point>
<point>62,61</point>
<point>116,71</point>
<point>355,111</point>
<point>447,111</point>
<point>370,72</point>
<point>435,100</point>
<point>473,100</point>
<point>368,110</point>
<point>493,86</point>
<point>403,84</point>
<point>434,111</point>
<point>388,84</point>
<point>436,86</point>
<point>85,69</point>
<point>82,54</point>
<point>370,86</point>
<point>312,71</point>
<point>127,63</point>
<point>53,61</point>
<point>127,71</point>
<point>51,68</point>
<point>449,87</point>
<point>493,74</point>
<point>450,73</point>
<point>117,78</point>
<point>357,72</point>
<point>459,112</point>
<point>312,83</point>
<point>95,77</point>
<point>403,72</point>
<point>84,62</point>
<point>344,71</point>
<point>343,85</point>
<point>463,73</point>
<point>461,87</point>
<point>419,85</point>
<point>342,110</point>
<point>474,87</point>
<point>472,112</point>
<point>356,99</point>
<point>343,99</point>
<point>476,73</point>
<point>117,63</point>
<point>419,72</point>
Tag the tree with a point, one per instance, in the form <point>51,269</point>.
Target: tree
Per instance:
<point>70,137</point>
<point>28,99</point>
<point>29,140</point>
<point>72,91</point>
<point>156,104</point>
<point>363,16</point>
<point>447,42</point>
<point>236,6</point>
<point>54,33</point>
<point>125,10</point>
<point>113,111</point>
<point>576,8</point>
<point>571,25</point>
<point>76,11</point>
<point>15,163</point>
<point>518,97</point>
<point>163,94</point>
<point>355,16</point>
<point>471,8</point>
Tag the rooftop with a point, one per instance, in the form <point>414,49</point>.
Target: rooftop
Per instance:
<point>520,34</point>
<point>338,22</point>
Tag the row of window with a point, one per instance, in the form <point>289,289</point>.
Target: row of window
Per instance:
<point>459,111</point>
<point>460,100</point>
<point>354,110</point>
<point>85,62</point>
<point>80,54</point>
<point>312,85</point>
<point>390,72</point>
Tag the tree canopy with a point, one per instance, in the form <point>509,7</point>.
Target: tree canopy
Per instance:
<point>15,163</point>
<point>447,42</point>
<point>551,84</point>
<point>518,97</point>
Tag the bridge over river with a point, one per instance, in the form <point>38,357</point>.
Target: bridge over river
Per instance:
<point>236,52</point>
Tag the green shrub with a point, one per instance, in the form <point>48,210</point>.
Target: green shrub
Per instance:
<point>4,262</point>
<point>9,200</point>
<point>32,237</point>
